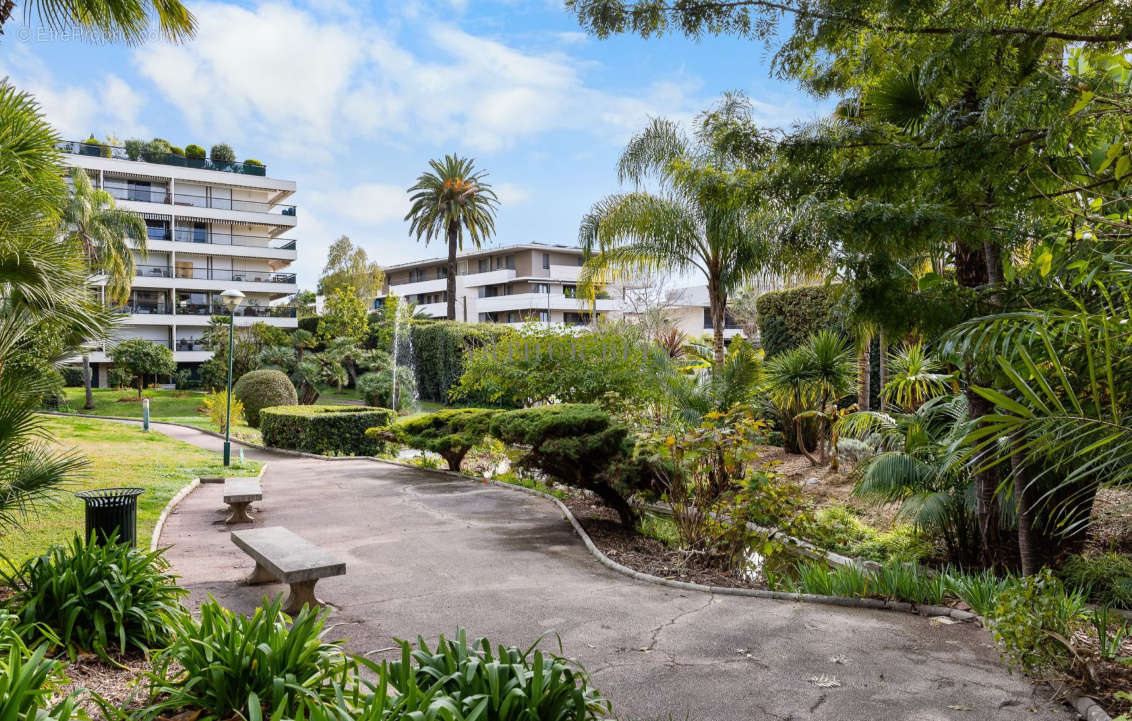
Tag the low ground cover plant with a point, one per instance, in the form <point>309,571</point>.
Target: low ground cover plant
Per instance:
<point>94,597</point>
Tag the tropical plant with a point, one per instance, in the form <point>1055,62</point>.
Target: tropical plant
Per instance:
<point>218,659</point>
<point>95,596</point>
<point>693,394</point>
<point>915,377</point>
<point>702,219</point>
<point>29,679</point>
<point>108,236</point>
<point>127,21</point>
<point>450,201</point>
<point>921,464</point>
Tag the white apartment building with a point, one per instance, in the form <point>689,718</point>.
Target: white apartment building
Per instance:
<point>514,285</point>
<point>211,227</point>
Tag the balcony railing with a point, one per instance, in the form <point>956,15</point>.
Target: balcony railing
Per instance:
<point>145,308</point>
<point>239,276</point>
<point>198,309</point>
<point>191,344</point>
<point>187,235</point>
<point>160,194</point>
<point>98,150</point>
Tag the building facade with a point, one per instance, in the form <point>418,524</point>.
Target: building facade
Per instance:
<point>513,285</point>
<point>211,226</point>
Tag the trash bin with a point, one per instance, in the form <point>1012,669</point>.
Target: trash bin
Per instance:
<point>112,509</point>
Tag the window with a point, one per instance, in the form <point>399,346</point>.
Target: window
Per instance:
<point>510,262</point>
<point>546,261</point>
<point>728,320</point>
<point>484,265</point>
<point>541,288</point>
<point>575,318</point>
<point>570,291</point>
<point>490,291</point>
<point>157,229</point>
<point>543,316</point>
<point>442,272</point>
<point>498,262</point>
<point>139,190</point>
<point>581,261</point>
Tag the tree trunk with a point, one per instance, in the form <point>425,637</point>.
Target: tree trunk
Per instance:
<point>86,383</point>
<point>453,237</point>
<point>1027,549</point>
<point>614,500</point>
<point>141,384</point>
<point>882,343</point>
<point>718,303</point>
<point>864,373</point>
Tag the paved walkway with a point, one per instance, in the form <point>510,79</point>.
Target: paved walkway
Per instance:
<point>425,554</point>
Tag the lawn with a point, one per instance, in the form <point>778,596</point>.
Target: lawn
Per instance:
<point>120,455</point>
<point>170,406</point>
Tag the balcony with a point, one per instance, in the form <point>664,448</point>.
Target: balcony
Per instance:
<point>191,344</point>
<point>99,150</point>
<point>237,276</point>
<point>185,235</point>
<point>161,195</point>
<point>199,309</point>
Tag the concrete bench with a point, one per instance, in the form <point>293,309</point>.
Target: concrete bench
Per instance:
<point>282,556</point>
<point>239,494</point>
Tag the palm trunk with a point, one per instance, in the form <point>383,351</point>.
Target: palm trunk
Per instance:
<point>453,237</point>
<point>864,371</point>
<point>1027,549</point>
<point>718,303</point>
<point>882,342</point>
<point>86,383</point>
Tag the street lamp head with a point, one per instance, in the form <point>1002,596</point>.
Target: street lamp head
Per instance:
<point>232,299</point>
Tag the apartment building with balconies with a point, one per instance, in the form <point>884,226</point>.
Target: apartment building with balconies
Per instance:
<point>513,284</point>
<point>211,226</point>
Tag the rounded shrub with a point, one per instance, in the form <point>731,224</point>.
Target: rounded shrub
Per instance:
<point>222,153</point>
<point>377,388</point>
<point>261,389</point>
<point>253,161</point>
<point>193,150</point>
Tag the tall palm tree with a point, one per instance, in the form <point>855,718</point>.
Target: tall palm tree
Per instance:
<point>699,220</point>
<point>108,236</point>
<point>42,285</point>
<point>449,201</point>
<point>128,20</point>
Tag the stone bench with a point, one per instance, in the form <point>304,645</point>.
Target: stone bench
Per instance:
<point>239,494</point>
<point>282,556</point>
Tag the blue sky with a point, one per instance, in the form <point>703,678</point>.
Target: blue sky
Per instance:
<point>351,100</point>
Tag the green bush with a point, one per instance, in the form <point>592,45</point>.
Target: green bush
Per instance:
<point>119,377</point>
<point>450,433</point>
<point>214,663</point>
<point>326,430</point>
<point>377,388</point>
<point>838,529</point>
<point>222,153</point>
<point>134,148</point>
<point>29,679</point>
<point>261,389</point>
<point>95,597</point>
<point>253,161</point>
<point>72,376</point>
<point>788,317</point>
<point>1029,614</point>
<point>1105,577</point>
<point>439,349</point>
<point>194,151</point>
<point>156,150</point>
<point>578,444</point>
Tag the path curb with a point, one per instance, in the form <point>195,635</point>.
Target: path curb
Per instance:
<point>155,538</point>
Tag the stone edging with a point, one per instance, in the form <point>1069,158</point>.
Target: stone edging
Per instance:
<point>155,538</point>
<point>1087,707</point>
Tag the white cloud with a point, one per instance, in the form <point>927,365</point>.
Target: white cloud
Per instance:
<point>510,194</point>
<point>313,84</point>
<point>368,204</point>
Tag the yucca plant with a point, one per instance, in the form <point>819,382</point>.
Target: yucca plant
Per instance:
<point>216,662</point>
<point>95,597</point>
<point>916,376</point>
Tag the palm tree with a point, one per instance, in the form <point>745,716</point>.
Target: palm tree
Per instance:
<point>128,20</point>
<point>108,236</point>
<point>697,221</point>
<point>448,201</point>
<point>42,286</point>
<point>916,377</point>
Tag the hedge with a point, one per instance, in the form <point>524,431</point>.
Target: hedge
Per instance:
<point>438,350</point>
<point>787,318</point>
<point>263,389</point>
<point>327,430</point>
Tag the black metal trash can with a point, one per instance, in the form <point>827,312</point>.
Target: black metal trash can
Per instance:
<point>112,509</point>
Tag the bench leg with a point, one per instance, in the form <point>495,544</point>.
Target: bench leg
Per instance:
<point>239,513</point>
<point>260,576</point>
<point>302,594</point>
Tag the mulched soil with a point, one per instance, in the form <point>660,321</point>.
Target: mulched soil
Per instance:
<point>641,553</point>
<point>121,686</point>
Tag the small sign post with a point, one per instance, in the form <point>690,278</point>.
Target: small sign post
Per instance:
<point>145,414</point>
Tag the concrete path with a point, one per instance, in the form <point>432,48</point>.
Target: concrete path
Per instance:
<point>426,553</point>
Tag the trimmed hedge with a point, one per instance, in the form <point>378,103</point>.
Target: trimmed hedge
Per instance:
<point>787,318</point>
<point>326,430</point>
<point>262,389</point>
<point>438,349</point>
<point>451,432</point>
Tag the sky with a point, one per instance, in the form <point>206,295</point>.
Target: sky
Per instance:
<point>351,100</point>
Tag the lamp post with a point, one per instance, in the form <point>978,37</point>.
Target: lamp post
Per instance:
<point>232,300</point>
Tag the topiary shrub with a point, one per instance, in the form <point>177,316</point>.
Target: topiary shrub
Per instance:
<point>438,350</point>
<point>787,318</point>
<point>194,151</point>
<point>156,150</point>
<point>261,389</point>
<point>252,161</point>
<point>577,444</point>
<point>326,430</point>
<point>222,153</point>
<point>450,433</point>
